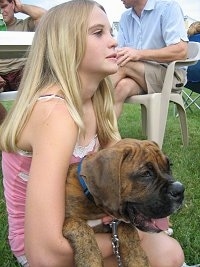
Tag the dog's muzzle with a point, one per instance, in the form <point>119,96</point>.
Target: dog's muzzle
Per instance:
<point>151,215</point>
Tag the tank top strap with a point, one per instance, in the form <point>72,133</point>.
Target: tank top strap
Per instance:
<point>50,96</point>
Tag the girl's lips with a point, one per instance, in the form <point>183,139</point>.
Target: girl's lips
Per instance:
<point>114,55</point>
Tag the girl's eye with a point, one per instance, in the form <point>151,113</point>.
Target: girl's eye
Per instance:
<point>98,33</point>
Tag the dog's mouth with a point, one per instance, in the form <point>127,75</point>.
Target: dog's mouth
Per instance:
<point>145,223</point>
<point>149,224</point>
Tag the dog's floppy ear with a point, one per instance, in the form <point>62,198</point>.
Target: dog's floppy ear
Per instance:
<point>101,173</point>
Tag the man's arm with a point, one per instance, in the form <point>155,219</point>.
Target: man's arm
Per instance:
<point>34,12</point>
<point>166,54</point>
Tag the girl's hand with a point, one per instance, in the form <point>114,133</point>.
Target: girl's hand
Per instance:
<point>107,219</point>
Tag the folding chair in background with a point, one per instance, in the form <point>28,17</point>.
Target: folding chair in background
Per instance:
<point>193,83</point>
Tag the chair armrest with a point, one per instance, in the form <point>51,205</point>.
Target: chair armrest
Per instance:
<point>185,63</point>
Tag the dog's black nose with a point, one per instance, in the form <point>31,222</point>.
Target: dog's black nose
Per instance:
<point>176,190</point>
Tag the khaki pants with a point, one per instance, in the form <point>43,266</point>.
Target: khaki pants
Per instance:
<point>155,74</point>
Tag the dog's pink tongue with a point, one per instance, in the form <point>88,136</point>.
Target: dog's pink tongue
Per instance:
<point>162,224</point>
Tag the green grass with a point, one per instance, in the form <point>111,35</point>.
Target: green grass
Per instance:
<point>186,168</point>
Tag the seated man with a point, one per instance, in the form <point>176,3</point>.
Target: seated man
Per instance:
<point>11,69</point>
<point>151,34</point>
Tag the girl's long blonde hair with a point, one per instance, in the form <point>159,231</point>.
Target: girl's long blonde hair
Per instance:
<point>54,58</point>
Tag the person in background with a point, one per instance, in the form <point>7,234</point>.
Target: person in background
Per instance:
<point>63,112</point>
<point>3,112</point>
<point>194,28</point>
<point>11,69</point>
<point>151,34</point>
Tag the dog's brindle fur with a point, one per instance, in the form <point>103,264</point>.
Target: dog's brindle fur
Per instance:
<point>129,179</point>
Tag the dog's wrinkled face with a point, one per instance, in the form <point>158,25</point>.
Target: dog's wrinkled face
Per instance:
<point>133,182</point>
<point>156,194</point>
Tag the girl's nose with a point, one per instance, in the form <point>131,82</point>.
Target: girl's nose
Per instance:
<point>113,41</point>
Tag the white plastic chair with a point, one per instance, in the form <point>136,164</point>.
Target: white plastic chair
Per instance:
<point>14,45</point>
<point>8,96</point>
<point>154,107</point>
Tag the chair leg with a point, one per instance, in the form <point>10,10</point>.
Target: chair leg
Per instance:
<point>186,98</point>
<point>183,124</point>
<point>144,120</point>
<point>193,101</point>
<point>179,102</point>
<point>189,100</point>
<point>154,131</point>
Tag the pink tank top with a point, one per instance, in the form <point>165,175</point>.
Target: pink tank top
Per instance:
<point>15,168</point>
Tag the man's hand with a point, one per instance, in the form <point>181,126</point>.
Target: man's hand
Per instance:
<point>35,12</point>
<point>18,6</point>
<point>126,54</point>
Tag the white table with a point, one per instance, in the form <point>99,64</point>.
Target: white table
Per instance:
<point>13,45</point>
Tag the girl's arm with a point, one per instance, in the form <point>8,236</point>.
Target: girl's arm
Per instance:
<point>52,137</point>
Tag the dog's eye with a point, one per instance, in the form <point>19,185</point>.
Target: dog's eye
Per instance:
<point>147,173</point>
<point>149,170</point>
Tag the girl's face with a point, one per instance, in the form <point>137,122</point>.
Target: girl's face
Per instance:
<point>100,55</point>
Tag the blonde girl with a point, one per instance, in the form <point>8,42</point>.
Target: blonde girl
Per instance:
<point>63,112</point>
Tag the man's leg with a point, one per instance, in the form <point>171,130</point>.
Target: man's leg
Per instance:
<point>2,83</point>
<point>125,88</point>
<point>128,81</point>
<point>12,80</point>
